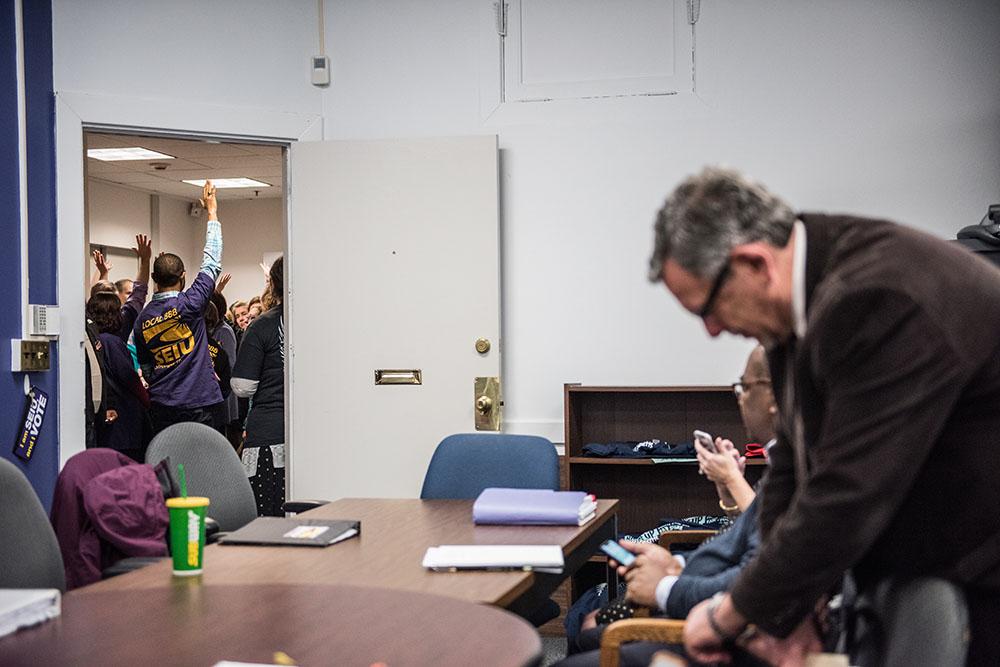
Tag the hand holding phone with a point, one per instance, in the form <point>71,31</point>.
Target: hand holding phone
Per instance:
<point>618,552</point>
<point>705,440</point>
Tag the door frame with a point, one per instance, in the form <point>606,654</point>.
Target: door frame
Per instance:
<point>79,112</point>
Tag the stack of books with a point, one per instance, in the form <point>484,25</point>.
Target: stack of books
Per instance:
<point>533,507</point>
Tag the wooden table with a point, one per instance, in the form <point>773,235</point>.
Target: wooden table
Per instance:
<point>395,533</point>
<point>188,623</point>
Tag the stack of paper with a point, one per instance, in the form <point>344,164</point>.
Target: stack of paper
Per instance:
<point>23,607</point>
<point>533,507</point>
<point>451,557</point>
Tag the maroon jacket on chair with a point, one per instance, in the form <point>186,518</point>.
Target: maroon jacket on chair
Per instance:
<point>105,508</point>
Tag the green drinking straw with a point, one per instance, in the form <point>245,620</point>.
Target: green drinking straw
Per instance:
<point>183,480</point>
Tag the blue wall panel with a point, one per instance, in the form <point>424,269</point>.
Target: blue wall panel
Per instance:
<point>40,136</point>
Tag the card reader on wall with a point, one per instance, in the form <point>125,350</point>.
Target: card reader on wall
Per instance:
<point>43,320</point>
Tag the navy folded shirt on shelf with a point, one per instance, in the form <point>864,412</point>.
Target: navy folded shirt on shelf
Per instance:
<point>640,450</point>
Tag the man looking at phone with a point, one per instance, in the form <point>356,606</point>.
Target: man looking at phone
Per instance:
<point>671,585</point>
<point>883,347</point>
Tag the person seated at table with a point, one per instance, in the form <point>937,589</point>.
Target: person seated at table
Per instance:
<point>670,585</point>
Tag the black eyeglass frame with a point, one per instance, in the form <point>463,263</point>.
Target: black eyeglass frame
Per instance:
<point>713,293</point>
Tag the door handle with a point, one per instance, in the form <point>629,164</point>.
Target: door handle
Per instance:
<point>488,403</point>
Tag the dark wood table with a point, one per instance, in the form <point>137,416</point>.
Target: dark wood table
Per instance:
<point>188,623</point>
<point>395,533</point>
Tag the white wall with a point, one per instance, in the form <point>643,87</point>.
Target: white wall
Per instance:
<point>240,53</point>
<point>251,228</point>
<point>116,214</point>
<point>884,108</point>
<point>179,233</point>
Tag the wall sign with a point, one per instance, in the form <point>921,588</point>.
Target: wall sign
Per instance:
<point>34,414</point>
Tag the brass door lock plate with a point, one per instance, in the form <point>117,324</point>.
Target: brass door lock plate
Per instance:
<point>488,404</point>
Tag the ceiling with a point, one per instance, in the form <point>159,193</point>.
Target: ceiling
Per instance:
<point>192,160</point>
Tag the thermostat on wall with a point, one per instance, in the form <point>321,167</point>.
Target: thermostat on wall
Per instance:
<point>320,70</point>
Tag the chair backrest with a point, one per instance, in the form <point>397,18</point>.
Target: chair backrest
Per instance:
<point>212,469</point>
<point>913,623</point>
<point>465,464</point>
<point>29,552</point>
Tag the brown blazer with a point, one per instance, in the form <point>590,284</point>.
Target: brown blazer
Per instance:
<point>898,382</point>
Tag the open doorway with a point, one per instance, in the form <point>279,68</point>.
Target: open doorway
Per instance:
<point>150,185</point>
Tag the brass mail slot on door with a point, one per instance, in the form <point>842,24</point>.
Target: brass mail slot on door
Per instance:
<point>397,376</point>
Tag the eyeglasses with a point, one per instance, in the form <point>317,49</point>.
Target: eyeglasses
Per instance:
<point>713,293</point>
<point>740,388</point>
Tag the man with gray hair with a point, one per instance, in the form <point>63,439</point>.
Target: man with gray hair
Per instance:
<point>885,359</point>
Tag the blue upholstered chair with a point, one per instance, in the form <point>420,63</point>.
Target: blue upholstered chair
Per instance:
<point>465,464</point>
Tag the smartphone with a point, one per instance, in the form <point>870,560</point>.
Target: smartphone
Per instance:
<point>707,441</point>
<point>619,553</point>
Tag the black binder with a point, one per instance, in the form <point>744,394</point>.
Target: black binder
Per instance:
<point>294,531</point>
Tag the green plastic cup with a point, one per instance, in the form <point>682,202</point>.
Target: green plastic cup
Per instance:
<point>187,534</point>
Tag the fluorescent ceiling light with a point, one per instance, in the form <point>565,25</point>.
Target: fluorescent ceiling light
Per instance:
<point>133,153</point>
<point>230,183</point>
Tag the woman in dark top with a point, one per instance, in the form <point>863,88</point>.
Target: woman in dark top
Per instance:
<point>125,397</point>
<point>222,364</point>
<point>259,374</point>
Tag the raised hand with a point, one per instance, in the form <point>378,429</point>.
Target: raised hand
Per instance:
<point>222,282</point>
<point>143,247</point>
<point>103,266</point>
<point>208,199</point>
<point>143,250</point>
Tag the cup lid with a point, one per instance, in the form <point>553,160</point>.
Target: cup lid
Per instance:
<point>190,501</point>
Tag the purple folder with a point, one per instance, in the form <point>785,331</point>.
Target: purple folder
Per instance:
<point>532,507</point>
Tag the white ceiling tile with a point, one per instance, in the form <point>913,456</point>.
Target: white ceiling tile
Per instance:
<point>193,160</point>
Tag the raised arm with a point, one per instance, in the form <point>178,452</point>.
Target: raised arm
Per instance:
<point>144,251</point>
<point>211,262</point>
<point>101,268</point>
<point>140,286</point>
<point>201,289</point>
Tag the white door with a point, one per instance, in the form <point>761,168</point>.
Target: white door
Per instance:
<point>394,265</point>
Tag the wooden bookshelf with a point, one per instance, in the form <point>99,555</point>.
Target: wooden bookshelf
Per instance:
<point>648,491</point>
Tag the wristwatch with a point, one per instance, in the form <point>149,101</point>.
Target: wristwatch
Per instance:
<point>735,639</point>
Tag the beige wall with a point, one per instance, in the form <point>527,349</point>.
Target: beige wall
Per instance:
<point>250,229</point>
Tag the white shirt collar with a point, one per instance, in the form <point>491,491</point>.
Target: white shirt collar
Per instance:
<point>799,279</point>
